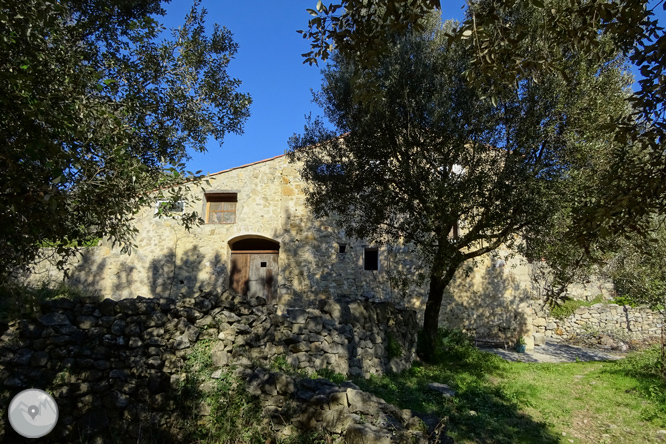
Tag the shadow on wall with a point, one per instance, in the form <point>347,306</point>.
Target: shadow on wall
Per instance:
<point>489,304</point>
<point>317,268</point>
<point>173,274</point>
<point>167,275</point>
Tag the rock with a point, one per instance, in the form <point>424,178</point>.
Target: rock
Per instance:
<point>192,333</point>
<point>181,343</point>
<point>606,341</point>
<point>134,342</point>
<point>219,355</point>
<point>118,327</point>
<point>366,434</point>
<point>539,322</point>
<point>22,356</point>
<point>539,339</point>
<point>93,422</point>
<point>229,317</point>
<point>107,307</point>
<point>285,384</point>
<point>336,420</point>
<point>53,319</point>
<point>442,388</point>
<point>39,359</point>
<point>154,332</point>
<point>338,399</point>
<point>297,315</point>
<point>86,322</point>
<point>362,402</point>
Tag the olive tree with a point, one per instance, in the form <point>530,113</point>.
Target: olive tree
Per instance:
<point>635,188</point>
<point>427,153</point>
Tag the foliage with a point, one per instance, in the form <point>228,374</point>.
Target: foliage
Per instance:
<point>329,374</point>
<point>510,402</point>
<point>17,300</point>
<point>97,110</point>
<point>426,153</point>
<point>567,307</point>
<point>352,24</point>
<point>234,415</point>
<point>634,187</point>
<point>638,269</point>
<point>393,347</point>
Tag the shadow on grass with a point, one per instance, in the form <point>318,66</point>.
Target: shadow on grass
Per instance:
<point>480,411</point>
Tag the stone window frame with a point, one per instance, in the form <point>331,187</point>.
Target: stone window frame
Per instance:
<point>222,196</point>
<point>367,250</point>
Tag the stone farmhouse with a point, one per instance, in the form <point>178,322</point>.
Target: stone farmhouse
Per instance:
<point>260,240</point>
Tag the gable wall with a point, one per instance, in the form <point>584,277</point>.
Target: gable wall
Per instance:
<point>169,260</point>
<point>490,301</point>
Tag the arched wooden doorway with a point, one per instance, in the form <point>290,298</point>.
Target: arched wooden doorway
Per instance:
<point>254,266</point>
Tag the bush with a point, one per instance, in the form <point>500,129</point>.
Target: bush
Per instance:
<point>569,306</point>
<point>393,347</point>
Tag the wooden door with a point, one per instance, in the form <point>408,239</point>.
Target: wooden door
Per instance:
<point>239,277</point>
<point>263,275</point>
<point>254,274</point>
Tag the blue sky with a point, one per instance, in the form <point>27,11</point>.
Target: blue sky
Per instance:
<point>270,65</point>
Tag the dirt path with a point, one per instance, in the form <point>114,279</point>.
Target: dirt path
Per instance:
<point>554,352</point>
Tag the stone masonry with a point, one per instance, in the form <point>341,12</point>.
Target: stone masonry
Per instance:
<point>114,365</point>
<point>623,321</point>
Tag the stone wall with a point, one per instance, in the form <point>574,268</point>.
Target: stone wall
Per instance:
<point>344,411</point>
<point>114,365</point>
<point>169,260</point>
<point>621,321</point>
<point>499,303</point>
<point>499,297</point>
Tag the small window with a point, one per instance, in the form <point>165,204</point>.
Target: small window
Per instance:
<point>221,208</point>
<point>371,259</point>
<point>342,248</point>
<point>170,207</point>
<point>263,265</point>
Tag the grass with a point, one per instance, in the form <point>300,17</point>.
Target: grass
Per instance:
<point>567,308</point>
<point>502,402</point>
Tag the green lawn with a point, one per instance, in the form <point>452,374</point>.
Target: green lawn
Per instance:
<point>508,402</point>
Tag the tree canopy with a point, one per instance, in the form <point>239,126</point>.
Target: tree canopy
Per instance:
<point>98,108</point>
<point>635,187</point>
<point>428,152</point>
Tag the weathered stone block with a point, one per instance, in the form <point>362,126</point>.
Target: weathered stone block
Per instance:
<point>366,434</point>
<point>53,319</point>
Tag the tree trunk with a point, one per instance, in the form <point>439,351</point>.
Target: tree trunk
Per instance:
<point>438,282</point>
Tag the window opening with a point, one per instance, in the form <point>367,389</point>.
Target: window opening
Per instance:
<point>342,248</point>
<point>371,259</point>
<point>221,208</point>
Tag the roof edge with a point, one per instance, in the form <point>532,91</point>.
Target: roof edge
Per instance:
<point>245,166</point>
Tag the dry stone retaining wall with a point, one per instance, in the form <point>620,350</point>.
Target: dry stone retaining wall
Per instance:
<point>115,365</point>
<point>638,323</point>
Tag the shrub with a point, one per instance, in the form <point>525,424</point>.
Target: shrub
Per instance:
<point>393,347</point>
<point>569,306</point>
